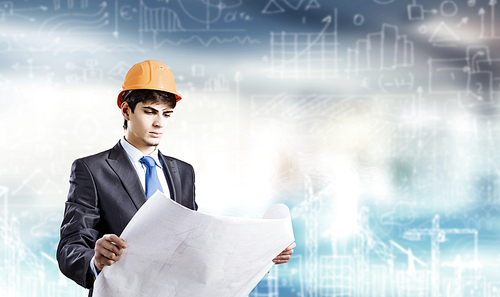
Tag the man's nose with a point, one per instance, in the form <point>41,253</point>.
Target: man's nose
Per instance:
<point>160,121</point>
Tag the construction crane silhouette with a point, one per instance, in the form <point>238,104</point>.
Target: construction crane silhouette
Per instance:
<point>309,210</point>
<point>411,258</point>
<point>459,267</point>
<point>438,235</point>
<point>368,241</point>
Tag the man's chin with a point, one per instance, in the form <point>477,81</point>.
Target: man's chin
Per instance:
<point>152,143</point>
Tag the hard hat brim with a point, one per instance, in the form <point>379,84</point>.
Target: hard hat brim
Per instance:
<point>123,94</point>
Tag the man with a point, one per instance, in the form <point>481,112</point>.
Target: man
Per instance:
<point>107,189</point>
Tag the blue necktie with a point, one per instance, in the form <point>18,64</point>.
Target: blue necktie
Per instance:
<point>152,181</point>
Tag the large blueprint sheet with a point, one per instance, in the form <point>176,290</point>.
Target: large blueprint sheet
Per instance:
<point>174,251</point>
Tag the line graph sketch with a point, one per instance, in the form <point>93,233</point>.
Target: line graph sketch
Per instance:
<point>167,24</point>
<point>308,55</point>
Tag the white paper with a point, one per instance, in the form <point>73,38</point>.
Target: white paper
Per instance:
<point>174,251</point>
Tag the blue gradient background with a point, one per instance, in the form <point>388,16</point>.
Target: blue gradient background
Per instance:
<point>375,121</point>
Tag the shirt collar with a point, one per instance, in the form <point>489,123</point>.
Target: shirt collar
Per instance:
<point>135,154</point>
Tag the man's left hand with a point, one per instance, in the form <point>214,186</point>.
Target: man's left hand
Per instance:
<point>285,255</point>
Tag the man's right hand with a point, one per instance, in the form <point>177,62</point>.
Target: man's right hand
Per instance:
<point>108,250</point>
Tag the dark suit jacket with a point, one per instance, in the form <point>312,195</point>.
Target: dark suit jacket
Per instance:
<point>104,194</point>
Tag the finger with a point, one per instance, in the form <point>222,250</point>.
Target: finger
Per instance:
<point>285,255</point>
<point>291,246</point>
<point>281,260</point>
<point>289,249</point>
<point>105,261</point>
<point>287,252</point>
<point>112,255</point>
<point>107,249</point>
<point>113,243</point>
<point>110,246</point>
<point>116,240</point>
<point>282,257</point>
<point>105,257</point>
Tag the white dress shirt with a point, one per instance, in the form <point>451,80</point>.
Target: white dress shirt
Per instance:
<point>135,155</point>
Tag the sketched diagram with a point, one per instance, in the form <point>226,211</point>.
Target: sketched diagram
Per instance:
<point>444,36</point>
<point>9,12</point>
<point>306,55</point>
<point>274,6</point>
<point>82,18</point>
<point>417,11</point>
<point>439,235</point>
<point>482,19</point>
<point>161,19</point>
<point>412,282</point>
<point>383,50</point>
<point>402,214</point>
<point>14,255</point>
<point>475,78</point>
<point>487,21</point>
<point>206,22</point>
<point>291,106</point>
<point>88,73</point>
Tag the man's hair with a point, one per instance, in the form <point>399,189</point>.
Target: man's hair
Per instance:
<point>147,96</point>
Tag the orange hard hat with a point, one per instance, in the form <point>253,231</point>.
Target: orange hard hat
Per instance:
<point>151,75</point>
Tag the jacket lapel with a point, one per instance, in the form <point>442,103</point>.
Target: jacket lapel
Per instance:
<point>121,165</point>
<point>172,175</point>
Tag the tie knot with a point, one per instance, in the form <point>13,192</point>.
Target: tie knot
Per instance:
<point>148,161</point>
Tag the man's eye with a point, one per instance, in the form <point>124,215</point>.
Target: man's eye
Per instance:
<point>167,115</point>
<point>148,112</point>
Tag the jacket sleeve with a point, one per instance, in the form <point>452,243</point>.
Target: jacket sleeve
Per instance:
<point>78,228</point>
<point>193,193</point>
<point>187,177</point>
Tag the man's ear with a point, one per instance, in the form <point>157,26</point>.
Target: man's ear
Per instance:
<point>125,108</point>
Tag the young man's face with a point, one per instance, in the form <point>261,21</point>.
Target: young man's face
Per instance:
<point>146,124</point>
